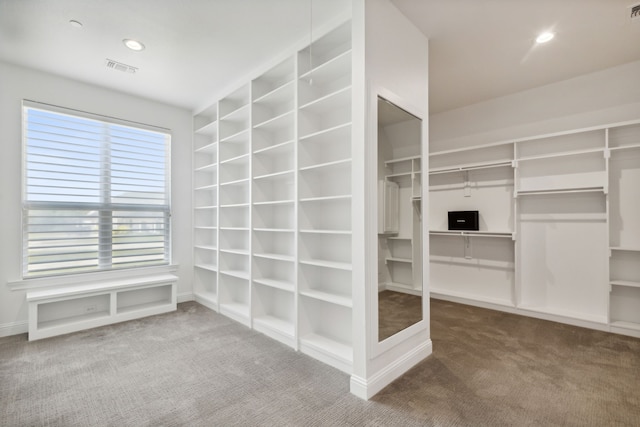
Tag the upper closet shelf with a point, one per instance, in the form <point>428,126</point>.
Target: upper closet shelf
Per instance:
<point>551,191</point>
<point>403,159</point>
<point>279,94</point>
<point>625,283</point>
<point>332,101</point>
<point>330,70</point>
<point>472,166</point>
<point>560,154</point>
<point>208,129</point>
<point>625,147</point>
<point>620,248</point>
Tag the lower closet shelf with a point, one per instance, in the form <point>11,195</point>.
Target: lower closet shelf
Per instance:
<point>236,311</point>
<point>276,328</point>
<point>328,350</point>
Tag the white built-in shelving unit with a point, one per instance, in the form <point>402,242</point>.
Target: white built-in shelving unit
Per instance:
<point>205,216</point>
<point>272,201</point>
<point>559,230</point>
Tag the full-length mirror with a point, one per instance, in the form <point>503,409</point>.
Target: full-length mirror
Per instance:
<point>399,219</point>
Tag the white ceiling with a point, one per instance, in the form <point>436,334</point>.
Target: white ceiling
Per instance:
<point>479,49</point>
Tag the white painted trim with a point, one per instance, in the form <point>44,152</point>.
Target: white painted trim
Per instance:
<point>369,387</point>
<point>186,296</point>
<point>14,328</point>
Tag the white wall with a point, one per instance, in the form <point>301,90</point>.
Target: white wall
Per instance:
<point>16,84</point>
<point>394,57</point>
<point>604,97</point>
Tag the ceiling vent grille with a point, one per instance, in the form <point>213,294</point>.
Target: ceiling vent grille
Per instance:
<point>635,12</point>
<point>115,65</point>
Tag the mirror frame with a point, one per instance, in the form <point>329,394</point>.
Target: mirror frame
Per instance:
<point>378,347</point>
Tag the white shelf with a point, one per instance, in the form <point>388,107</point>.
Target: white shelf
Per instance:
<point>625,147</point>
<point>209,167</point>
<point>329,70</point>
<point>274,323</point>
<point>275,230</point>
<point>241,159</point>
<point>625,283</point>
<point>274,202</point>
<point>236,113</point>
<point>235,308</point>
<point>401,160</point>
<point>331,101</point>
<point>274,148</point>
<point>235,251</point>
<point>343,127</point>
<point>341,232</point>
<point>471,166</point>
<point>240,274</point>
<point>329,264</point>
<point>210,299</point>
<point>205,207</point>
<point>551,191</point>
<point>625,249</point>
<point>275,175</point>
<point>278,257</point>
<point>560,154</point>
<point>505,234</point>
<point>207,187</point>
<point>278,94</point>
<point>235,137</point>
<point>328,346</point>
<point>209,267</point>
<point>276,122</point>
<point>209,129</point>
<point>396,259</point>
<point>235,228</point>
<point>342,300</point>
<point>326,198</point>
<point>235,182</point>
<point>278,284</point>
<point>207,149</point>
<point>235,205</point>
<point>206,247</point>
<point>334,164</point>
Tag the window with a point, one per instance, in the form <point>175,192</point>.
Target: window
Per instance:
<point>96,193</point>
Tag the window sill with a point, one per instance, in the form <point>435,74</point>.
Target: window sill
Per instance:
<point>83,278</point>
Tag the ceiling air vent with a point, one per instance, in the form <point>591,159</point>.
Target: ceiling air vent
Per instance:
<point>115,65</point>
<point>635,12</point>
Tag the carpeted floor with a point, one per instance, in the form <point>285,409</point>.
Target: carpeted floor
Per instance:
<point>194,367</point>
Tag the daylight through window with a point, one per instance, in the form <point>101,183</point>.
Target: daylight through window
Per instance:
<point>96,194</point>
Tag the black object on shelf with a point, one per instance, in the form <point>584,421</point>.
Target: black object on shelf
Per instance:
<point>464,220</point>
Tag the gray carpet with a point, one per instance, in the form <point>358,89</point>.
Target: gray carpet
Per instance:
<point>194,367</point>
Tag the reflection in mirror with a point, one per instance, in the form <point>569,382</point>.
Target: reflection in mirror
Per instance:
<point>399,219</point>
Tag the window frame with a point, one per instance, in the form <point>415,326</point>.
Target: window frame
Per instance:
<point>104,209</point>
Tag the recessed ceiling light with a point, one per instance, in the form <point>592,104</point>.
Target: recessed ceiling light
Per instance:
<point>133,44</point>
<point>75,24</point>
<point>545,37</point>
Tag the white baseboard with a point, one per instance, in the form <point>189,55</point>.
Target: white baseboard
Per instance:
<point>366,388</point>
<point>14,328</point>
<point>187,296</point>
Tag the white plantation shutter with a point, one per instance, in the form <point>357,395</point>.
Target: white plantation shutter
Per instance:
<point>96,194</point>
